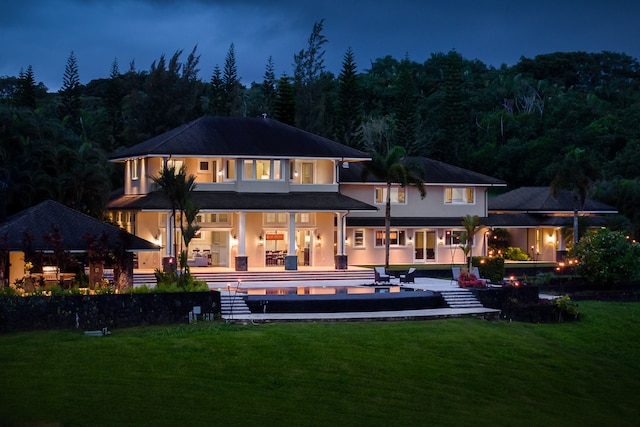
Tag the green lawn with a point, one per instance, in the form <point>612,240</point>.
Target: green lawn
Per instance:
<point>451,372</point>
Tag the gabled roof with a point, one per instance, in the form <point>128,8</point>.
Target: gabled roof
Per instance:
<point>240,137</point>
<point>73,225</point>
<point>432,172</point>
<point>233,201</point>
<point>540,200</point>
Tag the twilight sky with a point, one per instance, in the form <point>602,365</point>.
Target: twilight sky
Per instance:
<point>42,33</point>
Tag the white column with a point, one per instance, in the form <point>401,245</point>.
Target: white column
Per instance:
<point>242,231</point>
<point>340,234</point>
<point>170,235</point>
<point>292,233</point>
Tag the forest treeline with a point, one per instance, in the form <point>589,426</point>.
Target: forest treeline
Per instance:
<point>518,123</point>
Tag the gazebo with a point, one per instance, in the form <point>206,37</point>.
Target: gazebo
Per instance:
<point>52,229</point>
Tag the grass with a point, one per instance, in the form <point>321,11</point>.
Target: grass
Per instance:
<point>451,372</point>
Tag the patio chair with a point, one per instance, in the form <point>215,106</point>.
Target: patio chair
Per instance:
<point>476,273</point>
<point>409,276</point>
<point>381,275</point>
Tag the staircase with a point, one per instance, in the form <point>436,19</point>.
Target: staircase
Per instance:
<point>215,279</point>
<point>233,307</point>
<point>460,298</point>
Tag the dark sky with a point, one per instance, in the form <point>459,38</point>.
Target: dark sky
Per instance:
<point>42,33</point>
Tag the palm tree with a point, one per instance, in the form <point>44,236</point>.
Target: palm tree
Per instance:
<point>576,172</point>
<point>392,168</point>
<point>177,186</point>
<point>470,224</point>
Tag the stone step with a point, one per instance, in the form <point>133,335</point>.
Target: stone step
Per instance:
<point>460,298</point>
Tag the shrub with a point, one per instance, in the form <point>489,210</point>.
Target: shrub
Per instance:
<point>490,268</point>
<point>515,254</point>
<point>607,257</point>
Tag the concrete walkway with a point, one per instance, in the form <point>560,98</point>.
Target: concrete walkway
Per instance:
<point>430,284</point>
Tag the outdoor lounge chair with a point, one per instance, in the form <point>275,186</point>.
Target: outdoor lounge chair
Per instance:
<point>476,273</point>
<point>409,277</point>
<point>381,275</point>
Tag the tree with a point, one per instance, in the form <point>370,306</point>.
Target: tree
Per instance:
<point>177,186</point>
<point>607,257</point>
<point>26,96</point>
<point>285,104</point>
<point>308,67</point>
<point>216,93</point>
<point>405,110</point>
<point>576,172</point>
<point>349,105</point>
<point>231,85</point>
<point>70,94</point>
<point>269,89</point>
<point>392,168</point>
<point>470,224</point>
<point>113,105</point>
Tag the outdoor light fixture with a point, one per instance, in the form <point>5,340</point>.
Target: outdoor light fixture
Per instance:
<point>260,240</point>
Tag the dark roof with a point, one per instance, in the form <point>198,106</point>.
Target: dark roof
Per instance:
<point>240,137</point>
<point>453,222</point>
<point>539,199</point>
<point>73,225</point>
<point>527,220</point>
<point>431,171</point>
<point>233,201</point>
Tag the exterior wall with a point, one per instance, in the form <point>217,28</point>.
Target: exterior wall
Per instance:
<point>147,227</point>
<point>433,205</point>
<point>16,266</point>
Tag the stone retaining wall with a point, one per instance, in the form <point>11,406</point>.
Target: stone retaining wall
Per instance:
<point>92,312</point>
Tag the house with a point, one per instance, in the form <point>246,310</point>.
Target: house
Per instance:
<point>535,219</point>
<point>273,196</point>
<point>50,226</point>
<point>268,194</point>
<point>423,231</point>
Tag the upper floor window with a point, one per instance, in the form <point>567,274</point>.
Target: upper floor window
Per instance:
<point>262,169</point>
<point>305,218</point>
<point>135,169</point>
<point>396,237</point>
<point>230,170</point>
<point>275,218</point>
<point>398,195</point>
<point>301,172</point>
<point>177,164</point>
<point>459,195</point>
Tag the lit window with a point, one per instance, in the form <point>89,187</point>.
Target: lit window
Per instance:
<point>274,218</point>
<point>231,169</point>
<point>459,195</point>
<point>398,195</point>
<point>135,169</point>
<point>452,237</point>
<point>358,238</point>
<point>396,237</point>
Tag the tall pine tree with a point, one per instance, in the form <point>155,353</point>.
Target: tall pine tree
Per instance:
<point>216,93</point>
<point>268,88</point>
<point>285,103</point>
<point>26,94</point>
<point>349,105</point>
<point>231,84</point>
<point>70,95</point>
<point>405,111</point>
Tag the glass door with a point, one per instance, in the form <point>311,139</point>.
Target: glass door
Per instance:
<point>425,246</point>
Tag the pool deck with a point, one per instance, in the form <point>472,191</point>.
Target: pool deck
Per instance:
<point>437,285</point>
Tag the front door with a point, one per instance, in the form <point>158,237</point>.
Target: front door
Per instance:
<point>425,246</point>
